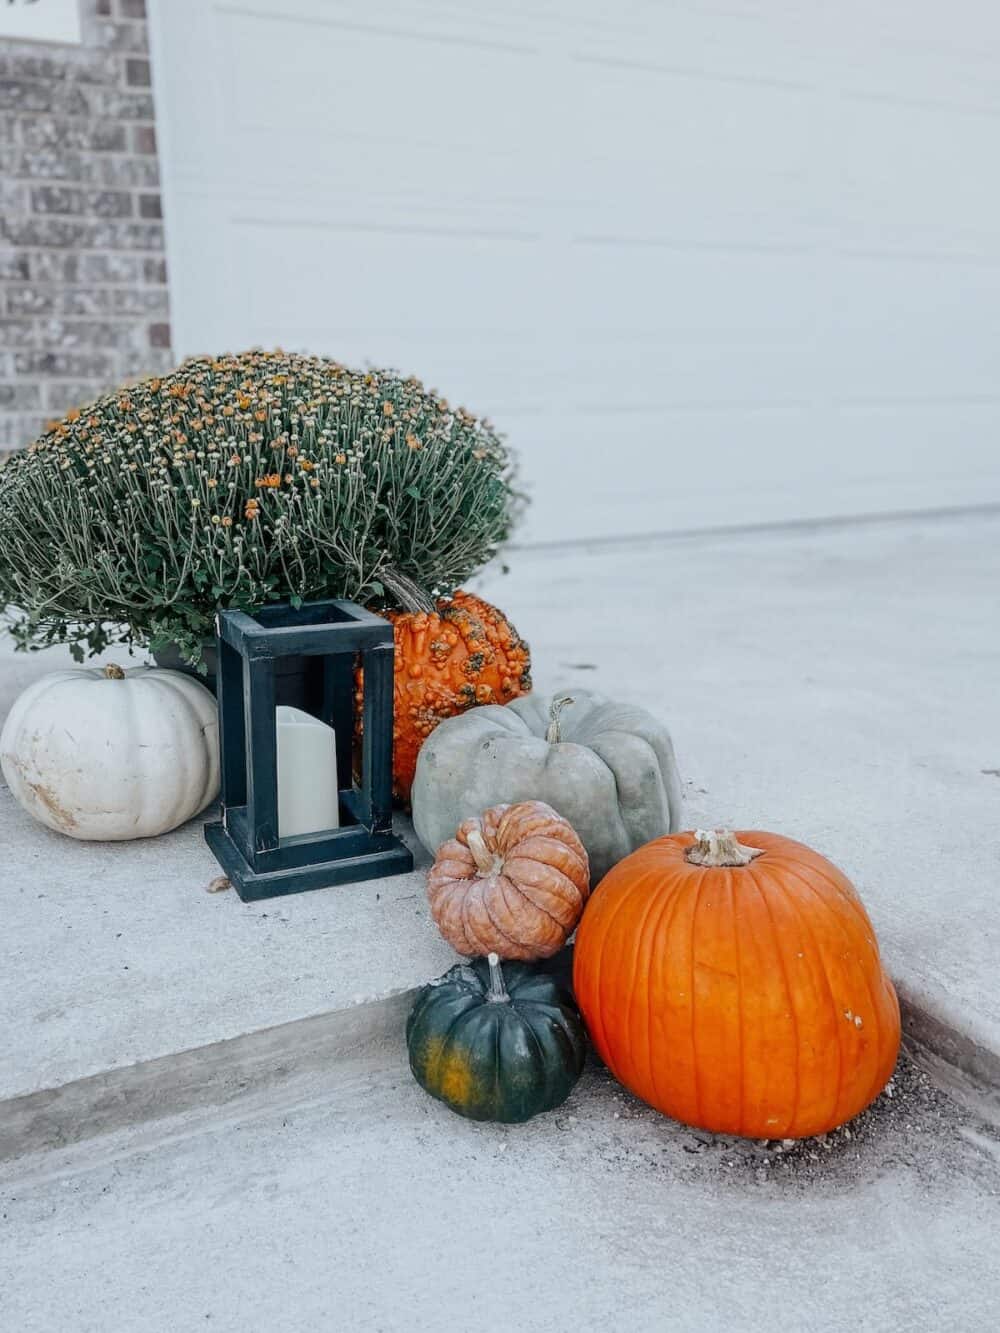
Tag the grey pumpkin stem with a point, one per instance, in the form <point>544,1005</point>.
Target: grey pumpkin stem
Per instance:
<point>498,990</point>
<point>718,847</point>
<point>409,594</point>
<point>487,862</point>
<point>553,733</point>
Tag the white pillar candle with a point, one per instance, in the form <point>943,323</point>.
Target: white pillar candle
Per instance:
<point>307,774</point>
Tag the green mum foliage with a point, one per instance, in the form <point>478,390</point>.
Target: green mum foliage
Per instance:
<point>239,480</point>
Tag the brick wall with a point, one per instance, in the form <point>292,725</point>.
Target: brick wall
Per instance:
<point>83,294</point>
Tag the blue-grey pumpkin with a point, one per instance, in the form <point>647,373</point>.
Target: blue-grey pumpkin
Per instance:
<point>607,767</point>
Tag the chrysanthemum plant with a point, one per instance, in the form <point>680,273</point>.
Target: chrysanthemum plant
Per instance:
<point>238,481</point>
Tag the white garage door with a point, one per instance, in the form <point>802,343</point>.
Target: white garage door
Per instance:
<point>705,264</point>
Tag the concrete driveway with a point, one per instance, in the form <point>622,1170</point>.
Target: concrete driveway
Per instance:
<point>837,683</point>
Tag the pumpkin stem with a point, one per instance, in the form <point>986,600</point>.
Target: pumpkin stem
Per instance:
<point>410,596</point>
<point>553,733</point>
<point>498,990</point>
<point>718,847</point>
<point>487,862</point>
<point>113,672</point>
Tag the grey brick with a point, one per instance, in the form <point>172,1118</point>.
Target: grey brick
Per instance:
<point>28,300</point>
<point>11,437</point>
<point>149,206</point>
<point>116,301</point>
<point>71,65</point>
<point>137,172</point>
<point>127,236</point>
<point>58,232</point>
<point>13,197</point>
<point>71,335</point>
<point>101,203</point>
<point>18,333</point>
<point>142,301</point>
<point>95,136</point>
<point>58,164</point>
<point>109,35</point>
<point>61,395</point>
<point>32,100</point>
<point>102,7</point>
<point>137,73</point>
<point>86,301</point>
<point>49,266</point>
<point>13,266</point>
<point>118,106</point>
<point>83,233</point>
<point>25,97</point>
<point>31,97</point>
<point>109,269</point>
<point>20,397</point>
<point>132,9</point>
<point>159,335</point>
<point>16,432</point>
<point>152,361</point>
<point>143,139</point>
<point>154,270</point>
<point>57,199</point>
<point>68,365</point>
<point>47,164</point>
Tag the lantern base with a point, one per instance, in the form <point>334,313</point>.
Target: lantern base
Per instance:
<point>389,855</point>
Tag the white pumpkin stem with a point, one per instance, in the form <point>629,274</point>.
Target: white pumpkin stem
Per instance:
<point>113,672</point>
<point>718,847</point>
<point>553,733</point>
<point>498,990</point>
<point>487,862</point>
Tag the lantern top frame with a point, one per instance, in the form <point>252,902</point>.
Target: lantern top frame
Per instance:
<point>313,628</point>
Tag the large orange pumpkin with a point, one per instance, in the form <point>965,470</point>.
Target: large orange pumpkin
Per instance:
<point>734,982</point>
<point>464,653</point>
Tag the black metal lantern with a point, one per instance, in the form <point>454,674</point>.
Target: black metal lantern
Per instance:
<point>324,639</point>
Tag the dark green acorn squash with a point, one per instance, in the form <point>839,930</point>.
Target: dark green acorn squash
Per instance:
<point>496,1043</point>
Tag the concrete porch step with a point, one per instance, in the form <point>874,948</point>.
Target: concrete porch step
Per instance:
<point>836,684</point>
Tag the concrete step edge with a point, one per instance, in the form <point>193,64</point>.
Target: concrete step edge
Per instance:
<point>965,1062</point>
<point>213,1075</point>
<point>956,1051</point>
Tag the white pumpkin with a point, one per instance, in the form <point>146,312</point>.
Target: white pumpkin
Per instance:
<point>105,754</point>
<point>607,767</point>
